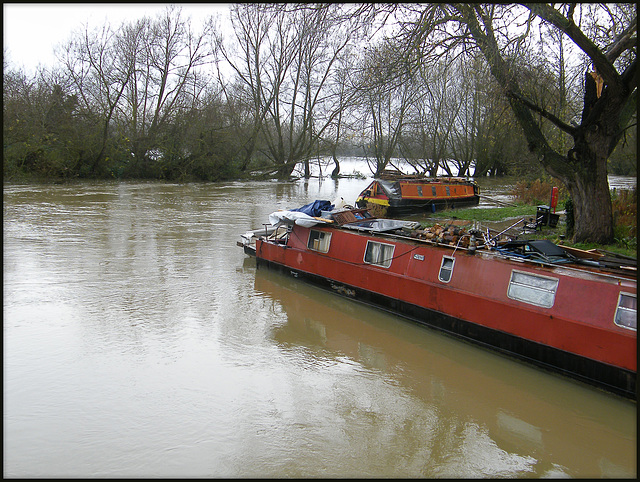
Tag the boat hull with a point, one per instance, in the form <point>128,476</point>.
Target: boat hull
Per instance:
<point>612,379</point>
<point>547,339</point>
<point>407,207</point>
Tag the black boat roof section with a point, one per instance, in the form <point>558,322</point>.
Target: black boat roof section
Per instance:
<point>536,248</point>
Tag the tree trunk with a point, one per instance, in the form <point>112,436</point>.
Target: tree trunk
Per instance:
<point>591,209</point>
<point>588,185</point>
<point>284,169</point>
<point>336,170</point>
<point>584,173</point>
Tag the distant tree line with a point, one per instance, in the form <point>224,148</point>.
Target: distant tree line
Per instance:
<point>150,99</point>
<point>473,89</point>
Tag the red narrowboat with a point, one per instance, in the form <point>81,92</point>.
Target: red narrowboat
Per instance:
<point>397,194</point>
<point>531,300</point>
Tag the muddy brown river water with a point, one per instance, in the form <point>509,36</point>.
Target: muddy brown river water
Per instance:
<point>140,341</point>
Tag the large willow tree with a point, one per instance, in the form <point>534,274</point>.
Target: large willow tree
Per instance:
<point>602,39</point>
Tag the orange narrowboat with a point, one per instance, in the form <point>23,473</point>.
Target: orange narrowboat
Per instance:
<point>397,194</point>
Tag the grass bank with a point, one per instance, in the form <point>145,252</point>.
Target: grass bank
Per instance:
<point>492,214</point>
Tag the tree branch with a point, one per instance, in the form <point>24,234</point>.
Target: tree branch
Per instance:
<point>486,41</point>
<point>625,41</point>
<point>603,65</point>
<point>544,113</point>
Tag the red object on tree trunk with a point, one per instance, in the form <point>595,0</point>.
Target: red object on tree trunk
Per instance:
<point>554,199</point>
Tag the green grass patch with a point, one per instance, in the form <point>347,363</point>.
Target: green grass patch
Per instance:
<point>491,214</point>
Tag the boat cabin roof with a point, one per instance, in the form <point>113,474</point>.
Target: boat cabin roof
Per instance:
<point>535,250</point>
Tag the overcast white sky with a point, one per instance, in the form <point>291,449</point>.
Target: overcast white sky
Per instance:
<point>31,31</point>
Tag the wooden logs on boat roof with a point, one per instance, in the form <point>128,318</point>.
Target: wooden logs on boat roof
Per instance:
<point>451,235</point>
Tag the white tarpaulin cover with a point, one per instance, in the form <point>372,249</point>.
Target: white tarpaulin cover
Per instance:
<point>290,217</point>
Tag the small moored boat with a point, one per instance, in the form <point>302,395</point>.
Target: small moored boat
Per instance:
<point>532,300</point>
<point>396,194</point>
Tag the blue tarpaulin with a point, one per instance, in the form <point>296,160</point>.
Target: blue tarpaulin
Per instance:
<point>315,208</point>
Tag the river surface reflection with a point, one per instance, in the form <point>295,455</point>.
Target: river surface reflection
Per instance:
<point>140,341</point>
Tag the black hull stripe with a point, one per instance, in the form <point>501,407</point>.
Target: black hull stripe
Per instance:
<point>408,206</point>
<point>612,379</point>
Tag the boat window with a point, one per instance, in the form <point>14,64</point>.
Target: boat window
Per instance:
<point>446,269</point>
<point>379,254</point>
<point>319,240</point>
<point>627,311</point>
<point>534,289</point>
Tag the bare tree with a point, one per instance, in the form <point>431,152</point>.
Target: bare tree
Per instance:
<point>344,96</point>
<point>137,78</point>
<point>470,115</point>
<point>164,56</point>
<point>99,77</point>
<point>258,66</point>
<point>285,58</point>
<point>386,99</point>
<point>485,131</point>
<point>443,85</point>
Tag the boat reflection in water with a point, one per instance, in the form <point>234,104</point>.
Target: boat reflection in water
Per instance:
<point>477,404</point>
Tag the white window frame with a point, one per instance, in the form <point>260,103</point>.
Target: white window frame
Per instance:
<point>383,259</point>
<point>324,241</point>
<point>453,262</point>
<point>532,293</point>
<point>630,311</point>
